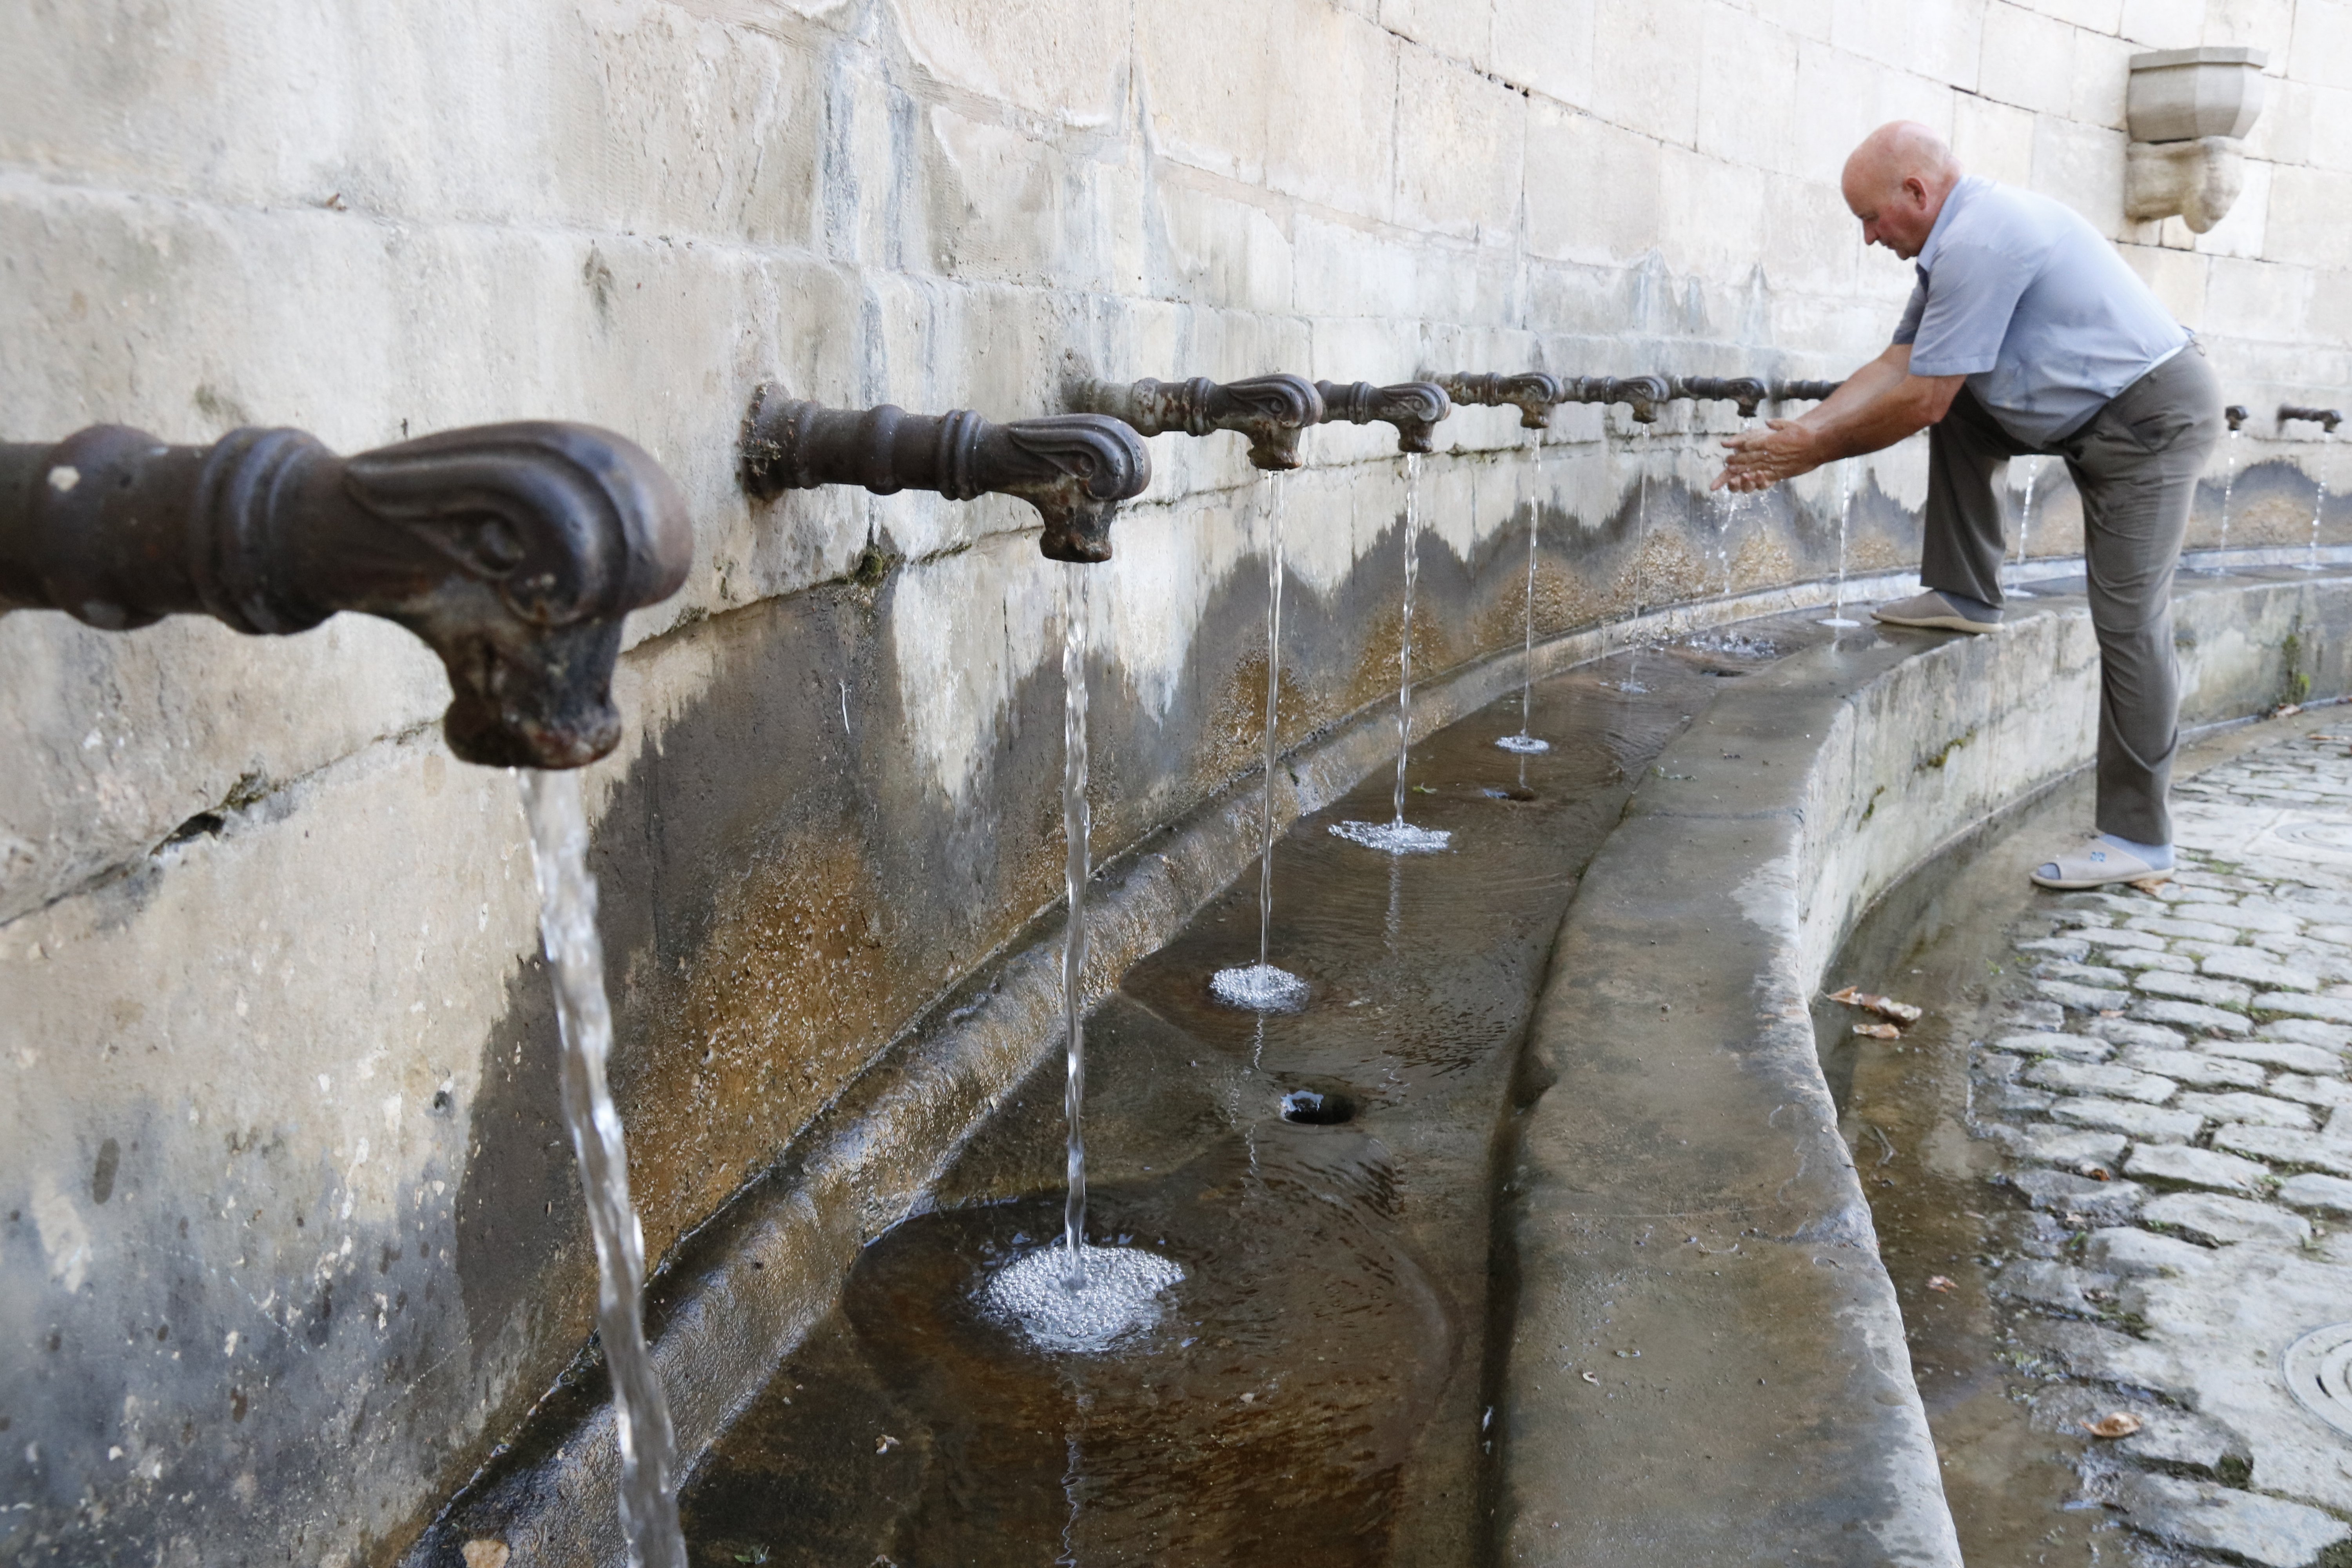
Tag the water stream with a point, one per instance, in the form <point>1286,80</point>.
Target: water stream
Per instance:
<point>2024,530</point>
<point>575,960</point>
<point>1837,615</point>
<point>2228,489</point>
<point>1396,835</point>
<point>1523,742</point>
<point>2319,502</point>
<point>1261,986</point>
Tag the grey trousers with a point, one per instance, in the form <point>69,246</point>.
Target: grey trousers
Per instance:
<point>2136,465</point>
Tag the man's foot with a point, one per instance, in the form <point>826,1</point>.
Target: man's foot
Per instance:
<point>2104,859</point>
<point>1939,612</point>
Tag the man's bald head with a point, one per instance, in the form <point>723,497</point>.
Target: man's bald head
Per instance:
<point>1895,183</point>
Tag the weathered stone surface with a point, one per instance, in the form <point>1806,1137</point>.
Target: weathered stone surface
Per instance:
<point>2027,1015</point>
<point>2193,988</point>
<point>2244,964</point>
<point>2129,1252</point>
<point>2072,948</point>
<point>2183,1443</point>
<point>2146,1121</point>
<point>2071,1149</point>
<point>2158,925</point>
<point>2194,1015</point>
<point>2259,1109</point>
<point>2046,1284</point>
<point>2131,1032</point>
<point>2121,937</point>
<point>2063,1192</point>
<point>2219,1221</point>
<point>2082,998</point>
<point>2099,1079</point>
<point>2196,1068</point>
<point>2334,1037</point>
<point>2275,1053</point>
<point>2094,974</point>
<point>2178,1163</point>
<point>2333,1093</point>
<point>2049,1042</point>
<point>2286,1146</point>
<point>2333,1009</point>
<point>2241,1526</point>
<point>2310,1190</point>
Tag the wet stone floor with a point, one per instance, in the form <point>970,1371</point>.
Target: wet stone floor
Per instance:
<point>1314,1389</point>
<point>2111,1171</point>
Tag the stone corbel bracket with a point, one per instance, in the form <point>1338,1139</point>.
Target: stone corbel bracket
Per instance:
<point>513,551</point>
<point>1532,393</point>
<point>1270,410</point>
<point>1414,407</point>
<point>1075,468</point>
<point>2189,112</point>
<point>2327,420</point>
<point>1745,390</point>
<point>1646,394</point>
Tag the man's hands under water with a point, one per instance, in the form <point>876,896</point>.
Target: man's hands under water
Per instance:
<point>1760,459</point>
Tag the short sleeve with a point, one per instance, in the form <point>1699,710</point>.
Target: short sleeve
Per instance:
<point>1970,300</point>
<point>1907,330</point>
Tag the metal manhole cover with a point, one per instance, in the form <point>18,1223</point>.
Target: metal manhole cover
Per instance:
<point>2319,834</point>
<point>2319,1370</point>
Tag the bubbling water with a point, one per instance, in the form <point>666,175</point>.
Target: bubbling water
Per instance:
<point>1115,1298</point>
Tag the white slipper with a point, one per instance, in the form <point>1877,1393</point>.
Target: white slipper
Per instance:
<point>2094,864</point>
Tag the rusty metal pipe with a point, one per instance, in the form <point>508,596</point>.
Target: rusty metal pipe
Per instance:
<point>1645,394</point>
<point>2237,414</point>
<point>1803,390</point>
<point>513,551</point>
<point>1075,468</point>
<point>1532,393</point>
<point>2325,418</point>
<point>1745,391</point>
<point>1414,407</point>
<point>1271,410</point>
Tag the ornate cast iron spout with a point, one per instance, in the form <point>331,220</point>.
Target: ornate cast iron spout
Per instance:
<point>1414,407</point>
<point>1271,410</point>
<point>1744,390</point>
<point>2325,418</point>
<point>2237,414</point>
<point>1645,393</point>
<point>1803,390</point>
<point>1532,393</point>
<point>513,551</point>
<point>1075,468</point>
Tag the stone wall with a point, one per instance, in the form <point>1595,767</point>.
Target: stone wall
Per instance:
<point>291,1235</point>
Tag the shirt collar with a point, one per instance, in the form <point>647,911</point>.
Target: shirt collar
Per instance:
<point>1962,194</point>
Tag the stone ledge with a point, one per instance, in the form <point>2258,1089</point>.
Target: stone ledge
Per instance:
<point>1679,1182</point>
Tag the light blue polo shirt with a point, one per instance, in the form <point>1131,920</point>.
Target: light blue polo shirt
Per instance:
<point>2034,307</point>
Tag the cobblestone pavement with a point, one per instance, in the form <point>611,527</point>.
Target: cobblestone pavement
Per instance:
<point>2156,1088</point>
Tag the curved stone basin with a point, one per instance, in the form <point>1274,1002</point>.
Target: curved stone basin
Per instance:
<point>1558,1106</point>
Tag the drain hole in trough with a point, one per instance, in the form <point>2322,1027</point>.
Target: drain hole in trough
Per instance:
<point>1316,1108</point>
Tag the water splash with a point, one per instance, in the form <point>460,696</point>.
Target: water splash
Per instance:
<point>1523,742</point>
<point>2319,502</point>
<point>1398,836</point>
<point>1115,1299</point>
<point>575,957</point>
<point>1837,615</point>
<point>2024,530</point>
<point>1075,823</point>
<point>1261,986</point>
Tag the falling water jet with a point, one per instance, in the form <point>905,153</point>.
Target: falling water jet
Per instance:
<point>1398,836</point>
<point>575,955</point>
<point>1523,742</point>
<point>2024,530</point>
<point>2236,415</point>
<point>1837,616</point>
<point>1261,986</point>
<point>2319,501</point>
<point>1078,1299</point>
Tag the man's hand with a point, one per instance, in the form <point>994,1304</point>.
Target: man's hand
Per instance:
<point>1762,459</point>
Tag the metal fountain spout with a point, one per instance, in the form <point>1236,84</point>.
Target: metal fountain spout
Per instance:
<point>513,551</point>
<point>1532,393</point>
<point>1271,410</point>
<point>1647,394</point>
<point>2237,414</point>
<point>1803,390</point>
<point>1745,391</point>
<point>1414,407</point>
<point>1075,468</point>
<point>2325,418</point>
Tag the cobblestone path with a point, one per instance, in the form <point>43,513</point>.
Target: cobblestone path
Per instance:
<point>2156,1090</point>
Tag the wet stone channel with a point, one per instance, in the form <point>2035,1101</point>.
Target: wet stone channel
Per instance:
<point>2111,1170</point>
<point>1313,1388</point>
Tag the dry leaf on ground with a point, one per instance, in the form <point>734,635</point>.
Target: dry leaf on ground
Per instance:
<point>1884,1006</point>
<point>2122,1424</point>
<point>1878,1031</point>
<point>1938,1282</point>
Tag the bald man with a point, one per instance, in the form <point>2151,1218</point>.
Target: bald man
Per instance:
<point>2027,333</point>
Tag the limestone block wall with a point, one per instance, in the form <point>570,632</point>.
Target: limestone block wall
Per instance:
<point>290,1237</point>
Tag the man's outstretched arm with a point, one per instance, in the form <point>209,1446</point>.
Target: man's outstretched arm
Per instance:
<point>1879,405</point>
